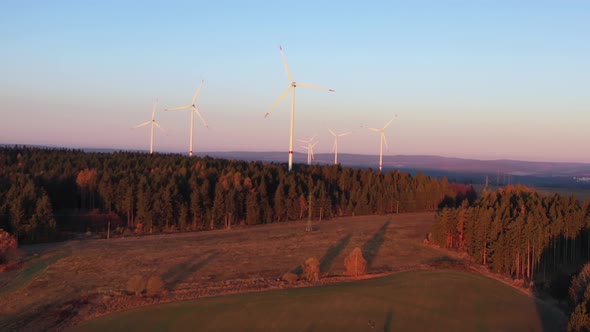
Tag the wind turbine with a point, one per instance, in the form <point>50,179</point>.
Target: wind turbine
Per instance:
<point>194,110</point>
<point>335,148</point>
<point>154,123</point>
<point>309,146</point>
<point>291,89</point>
<point>383,140</point>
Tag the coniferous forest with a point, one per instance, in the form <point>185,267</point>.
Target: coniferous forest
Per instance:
<point>519,232</point>
<point>50,194</point>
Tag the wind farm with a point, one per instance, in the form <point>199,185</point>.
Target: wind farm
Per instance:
<point>309,144</point>
<point>472,212</point>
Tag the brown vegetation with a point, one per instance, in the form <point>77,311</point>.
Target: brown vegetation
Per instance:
<point>355,263</point>
<point>290,277</point>
<point>7,247</point>
<point>155,285</point>
<point>579,284</point>
<point>136,284</point>
<point>311,269</point>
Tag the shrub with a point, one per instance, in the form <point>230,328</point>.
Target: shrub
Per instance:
<point>136,284</point>
<point>289,277</point>
<point>311,269</point>
<point>155,285</point>
<point>7,246</point>
<point>355,263</point>
<point>127,232</point>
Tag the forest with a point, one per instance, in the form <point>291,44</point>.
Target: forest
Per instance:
<point>50,194</point>
<point>517,231</point>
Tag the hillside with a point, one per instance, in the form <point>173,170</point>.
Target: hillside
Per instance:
<point>492,167</point>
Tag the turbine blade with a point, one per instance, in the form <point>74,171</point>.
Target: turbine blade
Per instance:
<point>303,141</point>
<point>185,107</point>
<point>143,124</point>
<point>155,108</point>
<point>286,65</point>
<point>305,85</point>
<point>196,110</point>
<point>197,93</point>
<point>385,141</point>
<point>331,132</point>
<point>281,97</point>
<point>344,134</point>
<point>375,129</point>
<point>157,125</point>
<point>390,121</point>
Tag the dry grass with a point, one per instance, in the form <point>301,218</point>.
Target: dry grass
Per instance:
<point>57,274</point>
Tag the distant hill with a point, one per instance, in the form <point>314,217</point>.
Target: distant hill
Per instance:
<point>502,166</point>
<point>411,162</point>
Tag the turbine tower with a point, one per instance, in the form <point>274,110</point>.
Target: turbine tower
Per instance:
<point>335,148</point>
<point>194,110</point>
<point>291,89</point>
<point>153,123</point>
<point>309,146</point>
<point>383,140</point>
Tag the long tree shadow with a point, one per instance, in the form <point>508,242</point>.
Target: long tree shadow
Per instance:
<point>371,247</point>
<point>179,272</point>
<point>387,327</point>
<point>328,259</point>
<point>333,252</point>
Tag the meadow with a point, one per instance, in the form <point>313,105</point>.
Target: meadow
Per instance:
<point>64,284</point>
<point>407,301</point>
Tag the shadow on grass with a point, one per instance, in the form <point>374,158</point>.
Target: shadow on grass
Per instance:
<point>371,247</point>
<point>387,327</point>
<point>333,252</point>
<point>34,267</point>
<point>179,272</point>
<point>328,259</point>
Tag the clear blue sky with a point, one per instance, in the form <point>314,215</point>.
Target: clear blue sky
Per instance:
<point>476,79</point>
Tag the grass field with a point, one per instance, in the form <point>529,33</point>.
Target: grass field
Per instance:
<point>37,296</point>
<point>62,284</point>
<point>407,301</point>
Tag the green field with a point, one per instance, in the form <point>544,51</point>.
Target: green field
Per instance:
<point>409,301</point>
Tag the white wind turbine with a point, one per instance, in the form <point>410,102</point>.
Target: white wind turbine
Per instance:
<point>383,140</point>
<point>291,89</point>
<point>335,148</point>
<point>153,123</point>
<point>194,110</point>
<point>309,146</point>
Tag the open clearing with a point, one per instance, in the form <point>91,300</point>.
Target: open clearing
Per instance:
<point>407,301</point>
<point>66,283</point>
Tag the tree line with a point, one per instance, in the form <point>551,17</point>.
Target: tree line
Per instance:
<point>47,192</point>
<point>517,231</point>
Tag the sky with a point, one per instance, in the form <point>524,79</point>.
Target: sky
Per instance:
<point>469,79</point>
